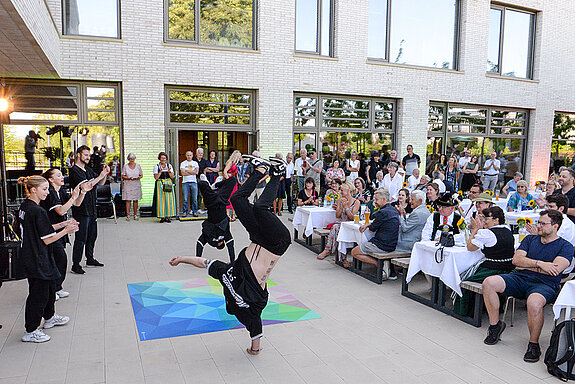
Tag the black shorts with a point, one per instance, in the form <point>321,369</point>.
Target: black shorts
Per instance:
<point>245,298</point>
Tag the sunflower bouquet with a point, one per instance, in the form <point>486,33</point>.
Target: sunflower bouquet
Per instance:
<point>404,185</point>
<point>332,198</point>
<point>490,193</point>
<point>462,225</point>
<point>521,221</point>
<point>430,208</point>
<point>533,205</point>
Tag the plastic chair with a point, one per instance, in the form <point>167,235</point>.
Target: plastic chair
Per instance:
<point>104,197</point>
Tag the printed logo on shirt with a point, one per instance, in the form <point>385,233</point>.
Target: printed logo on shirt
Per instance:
<point>227,279</point>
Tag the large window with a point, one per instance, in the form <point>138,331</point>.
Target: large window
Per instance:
<point>416,32</point>
<point>511,37</point>
<point>91,18</point>
<point>208,108</point>
<point>336,125</point>
<point>453,128</point>
<point>228,23</point>
<point>314,26</point>
<point>563,144</point>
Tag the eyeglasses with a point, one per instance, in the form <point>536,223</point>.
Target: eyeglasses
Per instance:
<point>543,224</point>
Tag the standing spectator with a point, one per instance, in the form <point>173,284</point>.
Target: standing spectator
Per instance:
<point>393,181</point>
<point>335,173</point>
<point>314,168</point>
<point>57,204</point>
<point>70,160</point>
<point>386,228</point>
<point>164,196</point>
<point>231,170</point>
<point>413,180</point>
<point>566,180</point>
<point>288,180</point>
<point>451,172</point>
<point>394,159</point>
<point>464,159</point>
<point>441,164</point>
<point>39,266</point>
<point>558,163</point>
<point>202,164</point>
<point>86,214</point>
<point>115,169</point>
<point>410,161</point>
<point>540,260</point>
<point>30,143</point>
<point>242,168</point>
<point>352,167</point>
<point>384,157</point>
<point>491,172</point>
<point>190,169</point>
<point>510,168</point>
<point>212,167</point>
<point>411,226</point>
<point>132,186</point>
<point>373,167</point>
<point>95,160</point>
<point>511,185</point>
<point>469,174</point>
<point>300,168</point>
<point>362,166</point>
<point>278,202</point>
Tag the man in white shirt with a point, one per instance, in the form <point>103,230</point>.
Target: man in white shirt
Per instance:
<point>445,216</point>
<point>413,180</point>
<point>288,180</point>
<point>313,168</point>
<point>559,203</point>
<point>189,168</point>
<point>300,168</point>
<point>464,159</point>
<point>438,179</point>
<point>491,172</point>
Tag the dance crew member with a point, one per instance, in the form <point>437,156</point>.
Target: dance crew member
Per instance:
<point>216,228</point>
<point>41,271</point>
<point>57,204</point>
<point>244,280</point>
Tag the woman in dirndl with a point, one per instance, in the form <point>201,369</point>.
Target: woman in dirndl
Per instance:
<point>164,194</point>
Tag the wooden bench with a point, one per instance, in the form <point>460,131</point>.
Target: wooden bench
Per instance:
<point>383,265</point>
<point>401,263</point>
<point>323,233</point>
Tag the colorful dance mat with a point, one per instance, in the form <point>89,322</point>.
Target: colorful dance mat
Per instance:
<point>178,308</point>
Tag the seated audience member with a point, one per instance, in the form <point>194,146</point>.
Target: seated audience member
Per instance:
<point>402,201</point>
<point>308,195</point>
<point>334,188</point>
<point>411,227</point>
<point>438,179</point>
<point>432,195</point>
<point>386,228</point>
<point>414,179</point>
<point>550,187</point>
<point>559,203</point>
<point>423,181</point>
<point>362,194</point>
<point>520,199</point>
<point>445,215</point>
<point>346,207</point>
<point>511,185</point>
<point>481,202</point>
<point>567,183</point>
<point>378,182</point>
<point>539,261</point>
<point>495,240</point>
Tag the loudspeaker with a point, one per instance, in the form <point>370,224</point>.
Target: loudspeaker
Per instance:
<point>11,267</point>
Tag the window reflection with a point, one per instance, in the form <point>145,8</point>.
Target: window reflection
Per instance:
<point>377,34</point>
<point>493,50</point>
<point>210,108</point>
<point>341,144</point>
<point>563,145</point>
<point>91,18</point>
<point>314,26</point>
<point>422,32</point>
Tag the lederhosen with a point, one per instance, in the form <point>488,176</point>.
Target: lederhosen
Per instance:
<point>245,297</point>
<point>437,223</point>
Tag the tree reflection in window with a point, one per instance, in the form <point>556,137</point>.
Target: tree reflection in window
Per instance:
<point>564,137</point>
<point>341,144</point>
<point>210,108</point>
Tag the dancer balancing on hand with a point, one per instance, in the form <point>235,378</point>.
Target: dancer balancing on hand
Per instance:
<point>244,280</point>
<point>216,228</point>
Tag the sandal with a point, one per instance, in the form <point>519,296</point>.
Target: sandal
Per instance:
<point>346,264</point>
<point>253,352</point>
<point>321,257</point>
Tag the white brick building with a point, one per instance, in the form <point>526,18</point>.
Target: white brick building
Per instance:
<point>144,63</point>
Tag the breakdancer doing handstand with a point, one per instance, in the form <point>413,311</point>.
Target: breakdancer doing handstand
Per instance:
<point>216,228</point>
<point>244,280</point>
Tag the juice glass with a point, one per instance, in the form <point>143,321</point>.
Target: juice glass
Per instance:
<point>356,218</point>
<point>367,217</point>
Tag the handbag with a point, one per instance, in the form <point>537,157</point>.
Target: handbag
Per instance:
<point>167,187</point>
<point>446,239</point>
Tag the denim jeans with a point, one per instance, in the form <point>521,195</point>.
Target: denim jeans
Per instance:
<point>186,189</point>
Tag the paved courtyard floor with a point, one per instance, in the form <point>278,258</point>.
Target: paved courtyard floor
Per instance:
<point>367,333</point>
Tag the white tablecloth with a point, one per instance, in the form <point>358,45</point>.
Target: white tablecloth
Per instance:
<point>455,261</point>
<point>566,299</point>
<point>349,236</point>
<point>511,217</point>
<point>313,217</point>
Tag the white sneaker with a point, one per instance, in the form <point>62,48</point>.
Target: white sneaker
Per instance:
<point>56,320</point>
<point>35,337</point>
<point>61,293</point>
<point>57,297</point>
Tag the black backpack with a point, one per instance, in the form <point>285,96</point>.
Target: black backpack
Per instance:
<point>560,356</point>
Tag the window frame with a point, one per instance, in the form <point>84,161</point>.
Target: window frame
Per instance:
<point>118,24</point>
<point>531,40</point>
<point>456,40</point>
<point>331,40</point>
<point>196,41</point>
<point>251,127</point>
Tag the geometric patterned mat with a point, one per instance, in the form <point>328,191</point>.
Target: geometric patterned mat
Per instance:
<point>178,308</point>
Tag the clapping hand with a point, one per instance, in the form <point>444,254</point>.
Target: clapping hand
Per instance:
<point>76,193</point>
<point>532,229</point>
<point>105,171</point>
<point>71,226</point>
<point>477,222</point>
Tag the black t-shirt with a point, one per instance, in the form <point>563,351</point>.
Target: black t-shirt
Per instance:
<point>88,206</point>
<point>571,196</point>
<point>374,167</point>
<point>201,163</point>
<point>53,200</point>
<point>302,195</point>
<point>35,227</point>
